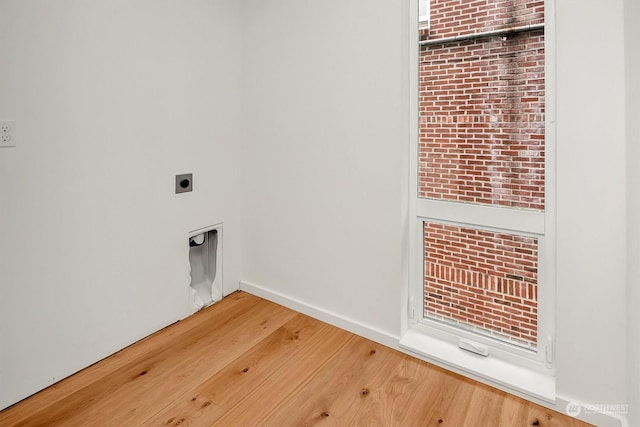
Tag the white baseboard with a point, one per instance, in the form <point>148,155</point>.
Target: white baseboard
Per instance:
<point>334,319</point>
<point>587,414</point>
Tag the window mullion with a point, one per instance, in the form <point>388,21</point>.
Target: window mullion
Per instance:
<point>485,216</point>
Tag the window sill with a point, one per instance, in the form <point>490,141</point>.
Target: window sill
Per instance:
<point>489,370</point>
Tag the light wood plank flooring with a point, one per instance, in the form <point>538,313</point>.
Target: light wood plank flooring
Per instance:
<point>248,362</point>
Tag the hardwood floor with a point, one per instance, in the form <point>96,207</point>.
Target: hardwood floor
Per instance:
<point>248,362</point>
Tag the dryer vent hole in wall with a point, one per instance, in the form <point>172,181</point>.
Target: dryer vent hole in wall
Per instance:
<point>205,259</point>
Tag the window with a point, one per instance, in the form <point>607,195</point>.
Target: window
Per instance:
<point>482,208</point>
<point>482,281</point>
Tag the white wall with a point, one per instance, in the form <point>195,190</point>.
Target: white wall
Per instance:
<point>591,222</point>
<point>112,99</point>
<point>324,144</point>
<point>632,47</point>
<point>324,165</point>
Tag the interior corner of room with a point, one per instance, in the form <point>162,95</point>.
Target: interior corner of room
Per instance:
<point>293,119</point>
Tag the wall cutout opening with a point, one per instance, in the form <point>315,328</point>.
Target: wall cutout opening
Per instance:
<point>205,259</point>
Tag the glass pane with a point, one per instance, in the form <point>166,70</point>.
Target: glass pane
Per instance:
<point>482,111</point>
<point>482,281</point>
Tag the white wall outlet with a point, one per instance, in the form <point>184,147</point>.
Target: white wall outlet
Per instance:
<point>7,133</point>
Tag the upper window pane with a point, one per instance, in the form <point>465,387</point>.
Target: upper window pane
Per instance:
<point>482,106</point>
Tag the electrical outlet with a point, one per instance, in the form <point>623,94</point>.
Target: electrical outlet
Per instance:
<point>7,133</point>
<point>184,183</point>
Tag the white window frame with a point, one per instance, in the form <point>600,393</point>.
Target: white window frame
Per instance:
<point>508,367</point>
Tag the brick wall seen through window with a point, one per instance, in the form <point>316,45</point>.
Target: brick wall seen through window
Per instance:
<point>483,281</point>
<point>482,142</point>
